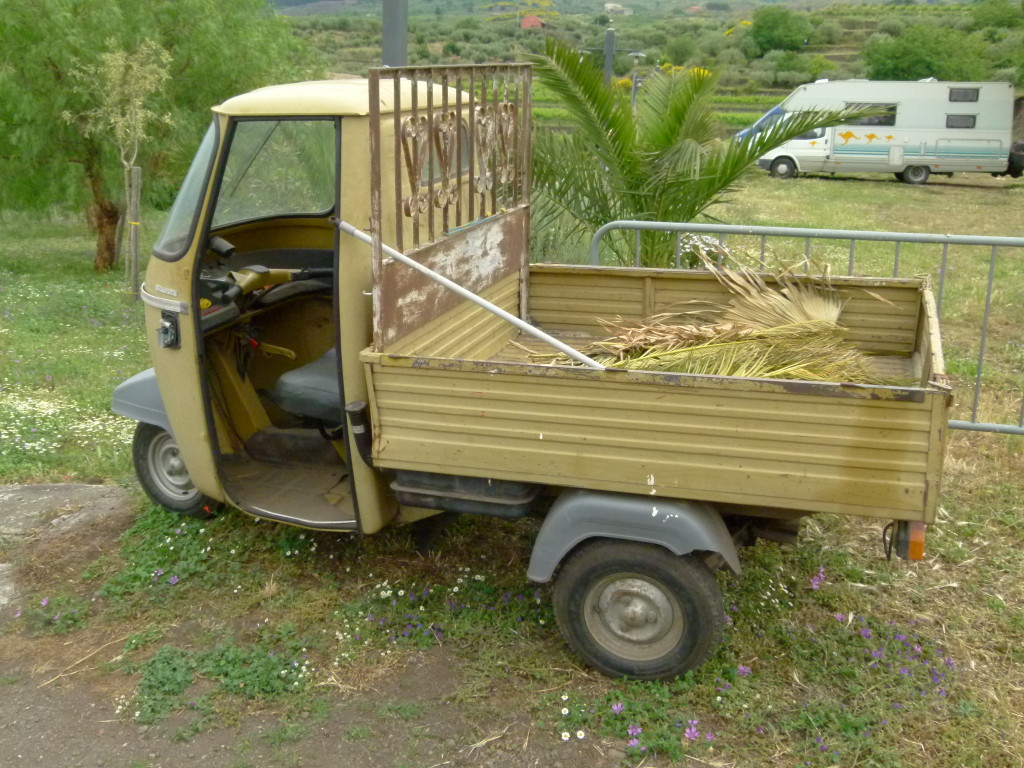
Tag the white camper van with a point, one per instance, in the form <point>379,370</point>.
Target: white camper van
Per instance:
<point>925,127</point>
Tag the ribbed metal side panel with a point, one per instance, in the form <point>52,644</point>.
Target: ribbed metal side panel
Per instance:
<point>882,319</point>
<point>467,331</point>
<point>744,442</point>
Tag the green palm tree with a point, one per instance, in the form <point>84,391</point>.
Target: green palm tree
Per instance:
<point>663,161</point>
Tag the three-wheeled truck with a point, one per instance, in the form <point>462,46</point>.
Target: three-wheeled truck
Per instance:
<point>309,373</point>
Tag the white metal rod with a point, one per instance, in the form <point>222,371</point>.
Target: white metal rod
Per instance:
<point>344,226</point>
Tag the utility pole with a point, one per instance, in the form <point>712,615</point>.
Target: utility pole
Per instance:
<point>395,44</point>
<point>609,54</point>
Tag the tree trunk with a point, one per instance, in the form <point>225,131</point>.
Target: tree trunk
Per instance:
<point>102,214</point>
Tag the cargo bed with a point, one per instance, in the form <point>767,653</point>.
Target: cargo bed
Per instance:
<point>462,394</point>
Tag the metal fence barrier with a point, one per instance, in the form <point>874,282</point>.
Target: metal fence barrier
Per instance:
<point>997,247</point>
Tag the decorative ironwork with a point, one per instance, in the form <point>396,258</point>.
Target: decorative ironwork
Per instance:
<point>415,135</point>
<point>457,152</point>
<point>445,144</point>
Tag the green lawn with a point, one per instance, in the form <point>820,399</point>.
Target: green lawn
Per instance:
<point>832,655</point>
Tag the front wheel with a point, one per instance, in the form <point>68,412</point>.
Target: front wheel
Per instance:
<point>636,610</point>
<point>784,168</point>
<point>915,174</point>
<point>162,473</point>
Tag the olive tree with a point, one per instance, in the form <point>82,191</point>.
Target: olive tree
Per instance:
<point>216,48</point>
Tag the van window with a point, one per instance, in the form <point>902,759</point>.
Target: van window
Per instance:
<point>888,116</point>
<point>960,121</point>
<point>963,94</point>
<point>814,133</point>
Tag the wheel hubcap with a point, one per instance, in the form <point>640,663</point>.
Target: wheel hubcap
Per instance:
<point>634,616</point>
<point>168,468</point>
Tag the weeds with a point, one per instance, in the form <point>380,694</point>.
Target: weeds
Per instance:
<point>831,657</point>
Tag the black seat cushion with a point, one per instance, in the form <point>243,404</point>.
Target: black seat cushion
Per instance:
<point>312,390</point>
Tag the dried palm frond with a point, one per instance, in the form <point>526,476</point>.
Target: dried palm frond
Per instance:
<point>789,330</point>
<point>813,350</point>
<point>757,305</point>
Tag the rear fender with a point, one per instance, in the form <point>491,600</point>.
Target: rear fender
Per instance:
<point>139,398</point>
<point>678,525</point>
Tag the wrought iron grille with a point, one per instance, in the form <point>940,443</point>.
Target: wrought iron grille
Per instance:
<point>449,145</point>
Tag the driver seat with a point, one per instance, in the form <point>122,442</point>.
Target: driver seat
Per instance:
<point>312,392</point>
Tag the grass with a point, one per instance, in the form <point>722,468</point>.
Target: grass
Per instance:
<point>832,655</point>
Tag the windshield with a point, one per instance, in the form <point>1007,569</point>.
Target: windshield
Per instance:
<point>278,168</point>
<point>175,236</point>
<point>770,118</point>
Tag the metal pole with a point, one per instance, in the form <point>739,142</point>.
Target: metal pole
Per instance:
<point>609,54</point>
<point>576,355</point>
<point>395,43</point>
<point>133,232</point>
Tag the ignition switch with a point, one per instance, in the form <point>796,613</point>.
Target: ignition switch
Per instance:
<point>167,335</point>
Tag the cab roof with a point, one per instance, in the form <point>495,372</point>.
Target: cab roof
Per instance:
<point>346,95</point>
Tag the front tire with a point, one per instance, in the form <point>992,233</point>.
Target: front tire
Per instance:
<point>636,610</point>
<point>915,174</point>
<point>162,473</point>
<point>784,168</point>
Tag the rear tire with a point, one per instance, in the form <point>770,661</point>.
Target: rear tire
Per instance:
<point>636,610</point>
<point>162,473</point>
<point>915,174</point>
<point>784,168</point>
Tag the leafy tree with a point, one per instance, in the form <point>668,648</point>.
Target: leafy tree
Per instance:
<point>998,14</point>
<point>926,50</point>
<point>217,48</point>
<point>779,29</point>
<point>680,50</point>
<point>663,162</point>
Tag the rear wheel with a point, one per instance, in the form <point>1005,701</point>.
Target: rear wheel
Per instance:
<point>915,174</point>
<point>784,168</point>
<point>636,610</point>
<point>162,474</point>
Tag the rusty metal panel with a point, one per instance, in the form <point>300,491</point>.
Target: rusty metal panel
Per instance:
<point>465,331</point>
<point>475,258</point>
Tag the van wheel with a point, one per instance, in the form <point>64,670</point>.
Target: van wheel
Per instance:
<point>636,610</point>
<point>915,174</point>
<point>784,168</point>
<point>162,474</point>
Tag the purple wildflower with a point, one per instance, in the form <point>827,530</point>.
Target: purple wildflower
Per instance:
<point>839,616</point>
<point>617,707</point>
<point>742,670</point>
<point>632,743</point>
<point>865,633</point>
<point>634,730</point>
<point>44,602</point>
<point>691,733</point>
<point>818,579</point>
<point>709,736</point>
<point>173,580</point>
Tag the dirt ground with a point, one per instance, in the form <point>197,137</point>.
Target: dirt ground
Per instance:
<point>58,697</point>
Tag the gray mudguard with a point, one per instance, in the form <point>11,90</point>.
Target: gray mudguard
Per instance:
<point>139,398</point>
<point>679,526</point>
